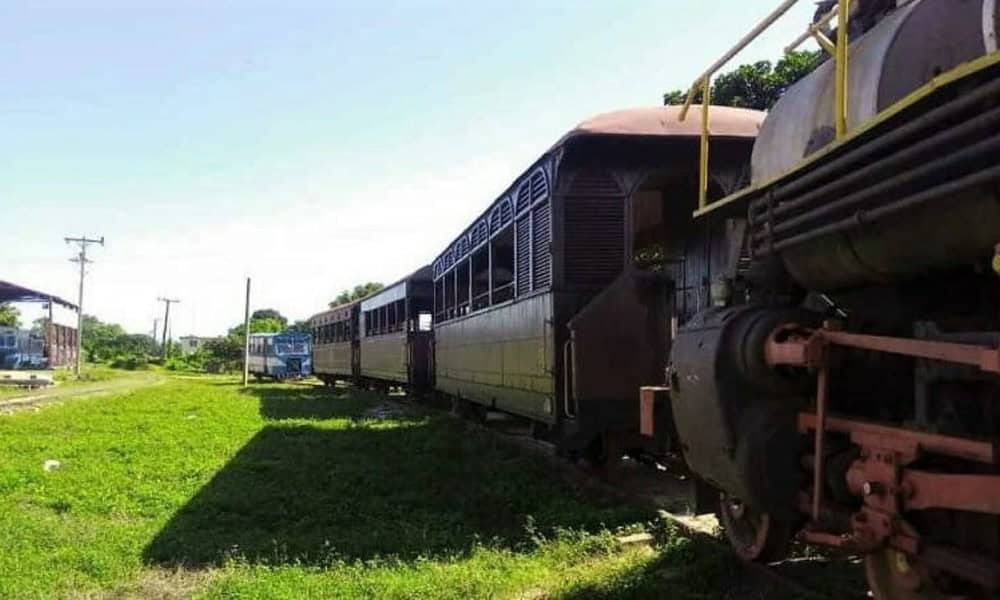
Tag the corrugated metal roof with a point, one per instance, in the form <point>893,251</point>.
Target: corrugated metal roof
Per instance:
<point>11,292</point>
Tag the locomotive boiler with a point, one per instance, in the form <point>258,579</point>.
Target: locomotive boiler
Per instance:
<point>850,394</point>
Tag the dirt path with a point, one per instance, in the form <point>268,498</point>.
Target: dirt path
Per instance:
<point>32,399</point>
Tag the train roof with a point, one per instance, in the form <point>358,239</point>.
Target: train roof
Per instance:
<point>337,313</point>
<point>660,123</point>
<point>664,121</point>
<point>396,290</point>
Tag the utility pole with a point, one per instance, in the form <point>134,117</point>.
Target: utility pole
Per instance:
<point>246,338</point>
<point>82,242</point>
<point>166,322</point>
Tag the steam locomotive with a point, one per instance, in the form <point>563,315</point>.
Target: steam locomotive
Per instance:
<point>817,307</point>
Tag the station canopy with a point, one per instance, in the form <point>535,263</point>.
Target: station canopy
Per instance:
<point>11,292</point>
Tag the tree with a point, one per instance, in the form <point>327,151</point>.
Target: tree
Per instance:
<point>258,326</point>
<point>300,327</point>
<point>98,339</point>
<point>9,315</point>
<point>757,86</point>
<point>359,291</point>
<point>223,354</point>
<point>268,313</point>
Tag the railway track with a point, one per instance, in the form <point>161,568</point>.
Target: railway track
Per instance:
<point>672,497</point>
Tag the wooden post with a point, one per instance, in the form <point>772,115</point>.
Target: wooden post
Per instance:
<point>246,338</point>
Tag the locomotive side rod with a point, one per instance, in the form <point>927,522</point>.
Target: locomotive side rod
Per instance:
<point>881,476</point>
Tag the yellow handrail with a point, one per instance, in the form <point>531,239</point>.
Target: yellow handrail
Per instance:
<point>840,110</point>
<point>838,49</point>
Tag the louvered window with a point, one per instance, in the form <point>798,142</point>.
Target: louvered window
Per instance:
<point>541,249</point>
<point>539,185</point>
<point>595,214</point>
<point>461,248</point>
<point>523,197</point>
<point>501,215</point>
<point>522,248</point>
<point>480,233</point>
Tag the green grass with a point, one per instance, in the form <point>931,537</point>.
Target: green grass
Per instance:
<point>194,489</point>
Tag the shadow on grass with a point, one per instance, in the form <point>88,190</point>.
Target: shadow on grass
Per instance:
<point>364,489</point>
<point>303,401</point>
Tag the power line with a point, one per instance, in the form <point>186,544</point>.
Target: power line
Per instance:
<point>82,259</point>
<point>166,322</point>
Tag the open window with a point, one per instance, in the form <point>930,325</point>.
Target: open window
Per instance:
<point>480,268</point>
<point>449,295</point>
<point>462,289</point>
<point>502,252</point>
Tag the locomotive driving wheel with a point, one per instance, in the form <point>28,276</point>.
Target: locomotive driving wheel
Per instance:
<point>894,575</point>
<point>754,535</point>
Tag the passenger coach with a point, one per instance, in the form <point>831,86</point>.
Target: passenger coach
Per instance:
<point>395,334</point>
<point>556,303</point>
<point>335,343</point>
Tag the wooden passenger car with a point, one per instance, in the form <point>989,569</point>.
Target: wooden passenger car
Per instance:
<point>540,308</point>
<point>395,333</point>
<point>335,343</point>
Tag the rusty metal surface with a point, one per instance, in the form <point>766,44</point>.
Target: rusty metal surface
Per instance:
<point>665,121</point>
<point>974,450</point>
<point>649,399</point>
<point>986,359</point>
<point>618,346</point>
<point>901,53</point>
<point>976,493</point>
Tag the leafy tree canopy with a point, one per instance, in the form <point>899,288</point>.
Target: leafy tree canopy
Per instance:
<point>266,325</point>
<point>268,313</point>
<point>300,327</point>
<point>757,86</point>
<point>359,291</point>
<point>9,315</point>
<point>105,341</point>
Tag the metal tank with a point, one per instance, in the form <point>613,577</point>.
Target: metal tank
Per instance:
<point>908,48</point>
<point>917,192</point>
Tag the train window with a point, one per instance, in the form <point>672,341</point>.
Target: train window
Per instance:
<point>481,278</point>
<point>541,252</point>
<point>390,317</point>
<point>449,295</point>
<point>424,321</point>
<point>462,282</point>
<point>502,260</point>
<point>400,315</point>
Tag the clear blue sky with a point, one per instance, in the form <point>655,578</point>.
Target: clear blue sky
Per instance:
<point>309,145</point>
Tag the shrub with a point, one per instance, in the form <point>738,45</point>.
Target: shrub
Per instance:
<point>129,362</point>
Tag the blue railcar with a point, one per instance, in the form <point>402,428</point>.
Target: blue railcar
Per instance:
<point>280,355</point>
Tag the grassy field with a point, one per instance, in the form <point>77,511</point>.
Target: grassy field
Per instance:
<point>193,488</point>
